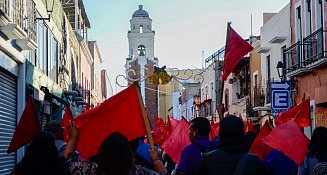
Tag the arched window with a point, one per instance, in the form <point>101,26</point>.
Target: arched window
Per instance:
<point>141,50</point>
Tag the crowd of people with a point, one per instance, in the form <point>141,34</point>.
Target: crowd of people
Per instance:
<point>226,155</point>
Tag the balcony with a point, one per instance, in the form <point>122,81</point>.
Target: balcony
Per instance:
<point>306,55</point>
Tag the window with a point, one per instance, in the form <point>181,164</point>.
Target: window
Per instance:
<point>308,18</point>
<point>268,67</point>
<point>141,50</point>
<point>255,81</point>
<point>211,89</point>
<point>141,29</point>
<point>298,24</point>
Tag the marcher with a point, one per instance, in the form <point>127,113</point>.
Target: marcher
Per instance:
<point>54,128</point>
<point>277,163</point>
<point>249,139</point>
<point>115,157</point>
<point>231,157</point>
<point>199,136</point>
<point>317,151</point>
<point>41,158</point>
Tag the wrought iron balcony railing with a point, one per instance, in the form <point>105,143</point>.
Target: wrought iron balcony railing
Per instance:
<point>303,53</point>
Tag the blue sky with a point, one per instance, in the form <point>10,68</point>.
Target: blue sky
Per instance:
<point>184,28</point>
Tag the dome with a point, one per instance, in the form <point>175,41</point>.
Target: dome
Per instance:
<point>140,12</point>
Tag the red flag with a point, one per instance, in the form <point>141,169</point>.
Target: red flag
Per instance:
<point>236,48</point>
<point>214,130</point>
<point>173,123</point>
<point>26,129</point>
<point>162,131</point>
<point>258,147</point>
<point>177,141</point>
<point>122,113</point>
<point>249,126</point>
<point>65,122</point>
<point>289,139</point>
<point>300,112</point>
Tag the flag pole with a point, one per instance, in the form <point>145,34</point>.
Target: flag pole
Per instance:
<point>145,116</point>
<point>220,106</point>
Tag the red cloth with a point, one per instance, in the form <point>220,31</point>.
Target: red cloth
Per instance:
<point>121,113</point>
<point>26,129</point>
<point>236,48</point>
<point>162,131</point>
<point>258,147</point>
<point>289,139</point>
<point>65,122</point>
<point>214,130</point>
<point>249,126</point>
<point>173,123</point>
<point>300,114</point>
<point>177,141</point>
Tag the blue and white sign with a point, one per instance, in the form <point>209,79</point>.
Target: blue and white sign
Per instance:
<point>280,97</point>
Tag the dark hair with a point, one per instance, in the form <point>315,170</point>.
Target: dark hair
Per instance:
<point>55,129</point>
<point>41,157</point>
<point>115,156</point>
<point>201,124</point>
<point>318,144</point>
<point>231,127</point>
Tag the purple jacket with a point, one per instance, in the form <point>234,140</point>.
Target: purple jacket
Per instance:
<point>191,154</point>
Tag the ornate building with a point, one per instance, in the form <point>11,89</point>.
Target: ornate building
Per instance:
<point>141,59</point>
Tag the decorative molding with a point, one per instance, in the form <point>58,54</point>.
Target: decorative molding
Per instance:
<point>26,44</point>
<point>277,40</point>
<point>263,50</point>
<point>13,31</point>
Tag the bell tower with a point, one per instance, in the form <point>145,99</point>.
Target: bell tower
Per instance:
<point>141,59</point>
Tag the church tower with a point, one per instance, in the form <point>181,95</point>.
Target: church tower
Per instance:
<point>141,59</point>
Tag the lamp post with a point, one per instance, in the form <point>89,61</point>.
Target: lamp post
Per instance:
<point>49,7</point>
<point>280,68</point>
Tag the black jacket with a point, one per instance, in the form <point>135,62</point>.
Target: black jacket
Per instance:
<point>221,162</point>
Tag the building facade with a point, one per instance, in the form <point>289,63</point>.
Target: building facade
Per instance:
<point>305,60</point>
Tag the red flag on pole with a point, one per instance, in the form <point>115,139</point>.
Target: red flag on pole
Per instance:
<point>26,129</point>
<point>258,147</point>
<point>65,122</point>
<point>289,139</point>
<point>300,112</point>
<point>177,140</point>
<point>173,123</point>
<point>236,48</point>
<point>249,126</point>
<point>122,113</point>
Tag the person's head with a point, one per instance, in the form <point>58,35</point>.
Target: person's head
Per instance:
<point>318,144</point>
<point>54,128</point>
<point>115,156</point>
<point>199,126</point>
<point>41,156</point>
<point>231,133</point>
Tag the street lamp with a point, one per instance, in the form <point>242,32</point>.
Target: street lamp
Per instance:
<point>280,69</point>
<point>49,7</point>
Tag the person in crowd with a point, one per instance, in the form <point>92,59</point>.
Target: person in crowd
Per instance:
<point>141,152</point>
<point>41,158</point>
<point>115,157</point>
<point>317,151</point>
<point>199,136</point>
<point>277,163</point>
<point>54,128</point>
<point>168,162</point>
<point>231,157</point>
<point>249,139</point>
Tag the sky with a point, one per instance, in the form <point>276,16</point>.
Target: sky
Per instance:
<point>185,30</point>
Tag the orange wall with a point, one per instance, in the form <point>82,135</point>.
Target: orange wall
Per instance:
<point>307,84</point>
